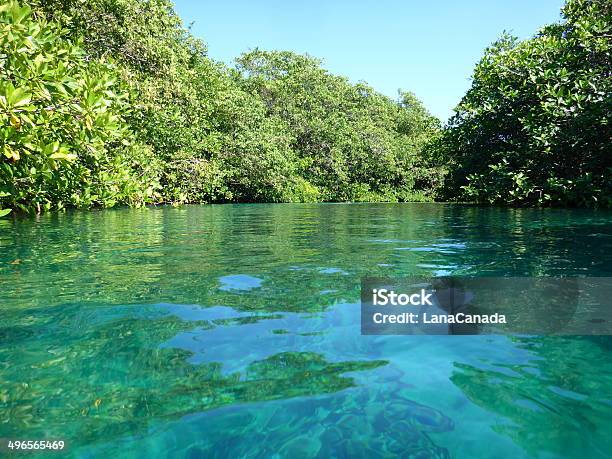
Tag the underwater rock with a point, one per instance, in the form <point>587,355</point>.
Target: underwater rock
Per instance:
<point>331,435</point>
<point>302,446</point>
<point>350,423</point>
<point>422,417</point>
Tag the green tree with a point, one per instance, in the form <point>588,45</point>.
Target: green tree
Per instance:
<point>62,139</point>
<point>213,139</point>
<point>351,142</point>
<point>534,128</point>
<point>279,128</point>
<point>170,85</point>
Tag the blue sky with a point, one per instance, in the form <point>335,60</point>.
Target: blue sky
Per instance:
<point>426,46</point>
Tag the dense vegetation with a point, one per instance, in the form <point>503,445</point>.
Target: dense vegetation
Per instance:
<point>61,136</point>
<point>165,123</point>
<point>534,128</point>
<point>106,102</point>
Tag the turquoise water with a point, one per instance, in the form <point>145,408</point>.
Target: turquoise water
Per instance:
<point>233,331</point>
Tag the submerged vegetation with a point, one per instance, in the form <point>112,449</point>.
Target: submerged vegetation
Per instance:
<point>106,102</point>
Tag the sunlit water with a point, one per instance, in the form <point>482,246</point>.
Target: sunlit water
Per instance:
<point>233,331</point>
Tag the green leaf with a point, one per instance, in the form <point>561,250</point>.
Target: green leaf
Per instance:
<point>19,97</point>
<point>63,156</point>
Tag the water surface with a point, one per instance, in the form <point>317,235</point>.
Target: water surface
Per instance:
<point>233,331</point>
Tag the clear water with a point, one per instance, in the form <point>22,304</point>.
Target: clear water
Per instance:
<point>233,331</point>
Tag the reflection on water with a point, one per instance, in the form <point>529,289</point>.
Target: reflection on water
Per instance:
<point>239,282</point>
<point>565,389</point>
<point>91,375</point>
<point>233,331</point>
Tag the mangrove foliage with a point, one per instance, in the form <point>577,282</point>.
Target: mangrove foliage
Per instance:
<point>114,102</point>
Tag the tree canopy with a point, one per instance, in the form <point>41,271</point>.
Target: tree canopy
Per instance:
<point>62,135</point>
<point>107,102</point>
<point>534,128</point>
<point>351,142</point>
<point>174,126</point>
